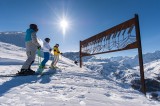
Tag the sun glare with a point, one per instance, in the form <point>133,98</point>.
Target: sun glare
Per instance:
<point>64,25</point>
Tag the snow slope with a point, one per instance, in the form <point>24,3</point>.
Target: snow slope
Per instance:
<point>70,86</point>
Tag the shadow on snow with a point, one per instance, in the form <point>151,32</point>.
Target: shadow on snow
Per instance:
<point>20,80</point>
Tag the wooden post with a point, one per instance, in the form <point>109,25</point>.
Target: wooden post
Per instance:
<point>143,89</point>
<point>80,55</point>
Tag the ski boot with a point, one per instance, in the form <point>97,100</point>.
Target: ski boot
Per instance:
<point>26,72</point>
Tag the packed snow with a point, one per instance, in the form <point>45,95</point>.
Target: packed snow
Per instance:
<point>69,86</point>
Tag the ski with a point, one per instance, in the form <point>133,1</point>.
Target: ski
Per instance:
<point>39,72</point>
<point>15,75</point>
<point>56,68</point>
<point>35,74</point>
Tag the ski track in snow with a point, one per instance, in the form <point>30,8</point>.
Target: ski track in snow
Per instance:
<point>69,86</point>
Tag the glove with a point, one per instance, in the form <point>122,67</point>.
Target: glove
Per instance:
<point>61,53</point>
<point>50,50</point>
<point>39,47</point>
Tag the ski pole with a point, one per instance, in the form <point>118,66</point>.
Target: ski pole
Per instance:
<point>38,60</point>
<point>61,56</point>
<point>39,57</point>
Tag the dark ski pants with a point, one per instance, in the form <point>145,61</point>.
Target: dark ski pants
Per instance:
<point>46,58</point>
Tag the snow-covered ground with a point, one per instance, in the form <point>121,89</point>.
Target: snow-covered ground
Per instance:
<point>70,86</point>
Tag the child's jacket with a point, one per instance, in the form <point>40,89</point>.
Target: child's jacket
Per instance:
<point>46,47</point>
<point>56,50</point>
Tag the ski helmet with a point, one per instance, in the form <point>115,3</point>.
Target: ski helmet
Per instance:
<point>34,27</point>
<point>57,44</point>
<point>47,39</point>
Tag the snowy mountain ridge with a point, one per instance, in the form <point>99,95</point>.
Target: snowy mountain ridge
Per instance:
<point>13,37</point>
<point>12,32</point>
<point>128,61</point>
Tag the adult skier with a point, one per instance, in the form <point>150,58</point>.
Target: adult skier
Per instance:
<point>31,48</point>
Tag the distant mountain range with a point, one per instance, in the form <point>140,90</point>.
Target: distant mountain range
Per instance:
<point>14,37</point>
<point>128,61</point>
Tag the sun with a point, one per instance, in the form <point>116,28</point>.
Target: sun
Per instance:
<point>64,25</point>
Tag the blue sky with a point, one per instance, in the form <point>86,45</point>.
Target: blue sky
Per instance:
<point>86,18</point>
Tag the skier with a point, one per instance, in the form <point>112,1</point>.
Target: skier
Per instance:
<point>56,56</point>
<point>46,49</point>
<point>31,48</point>
<point>75,62</point>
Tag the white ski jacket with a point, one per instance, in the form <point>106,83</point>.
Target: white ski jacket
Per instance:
<point>46,47</point>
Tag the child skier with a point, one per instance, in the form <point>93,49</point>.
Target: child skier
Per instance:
<point>31,48</point>
<point>56,56</point>
<point>46,49</point>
